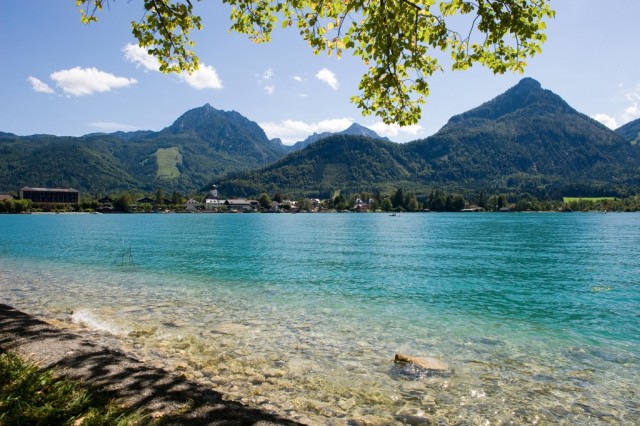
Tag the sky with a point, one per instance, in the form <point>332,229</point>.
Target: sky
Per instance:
<point>60,77</point>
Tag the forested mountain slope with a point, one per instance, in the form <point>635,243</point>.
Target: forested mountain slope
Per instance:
<point>630,131</point>
<point>201,145</point>
<point>525,140</point>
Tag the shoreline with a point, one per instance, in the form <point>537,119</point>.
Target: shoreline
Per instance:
<point>154,391</point>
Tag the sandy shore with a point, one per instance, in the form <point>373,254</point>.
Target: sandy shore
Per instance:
<point>117,374</point>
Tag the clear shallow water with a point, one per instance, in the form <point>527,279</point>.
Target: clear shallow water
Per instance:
<point>536,314</point>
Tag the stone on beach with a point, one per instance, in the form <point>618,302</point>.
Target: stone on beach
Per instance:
<point>427,363</point>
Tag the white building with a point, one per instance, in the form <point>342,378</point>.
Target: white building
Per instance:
<point>212,202</point>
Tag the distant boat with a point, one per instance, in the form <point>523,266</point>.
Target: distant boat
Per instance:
<point>393,214</point>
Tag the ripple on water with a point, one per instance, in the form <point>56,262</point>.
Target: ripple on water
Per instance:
<point>301,369</point>
<point>320,349</point>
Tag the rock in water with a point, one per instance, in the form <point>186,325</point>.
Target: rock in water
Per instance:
<point>427,363</point>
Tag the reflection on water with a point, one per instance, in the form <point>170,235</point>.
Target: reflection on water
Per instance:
<point>303,314</point>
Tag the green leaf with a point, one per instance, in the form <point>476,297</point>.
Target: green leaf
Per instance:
<point>398,40</point>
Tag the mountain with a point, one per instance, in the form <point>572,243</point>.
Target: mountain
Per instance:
<point>205,143</point>
<point>357,130</point>
<point>344,162</point>
<point>630,131</point>
<point>354,130</point>
<point>527,139</point>
<point>201,145</point>
<point>50,161</point>
<point>225,132</point>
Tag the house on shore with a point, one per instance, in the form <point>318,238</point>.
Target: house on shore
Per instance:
<point>212,202</point>
<point>242,205</point>
<point>146,200</point>
<point>192,205</point>
<point>50,195</point>
<point>363,206</point>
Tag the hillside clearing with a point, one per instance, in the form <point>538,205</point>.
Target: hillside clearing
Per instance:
<point>168,160</point>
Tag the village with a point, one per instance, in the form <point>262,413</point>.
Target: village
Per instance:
<point>62,200</point>
<point>57,200</point>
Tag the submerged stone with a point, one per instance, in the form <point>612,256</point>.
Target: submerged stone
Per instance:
<point>143,332</point>
<point>427,363</point>
<point>413,417</point>
<point>229,329</point>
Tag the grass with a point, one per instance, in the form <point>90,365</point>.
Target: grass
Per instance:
<point>31,396</point>
<point>168,160</point>
<point>590,199</point>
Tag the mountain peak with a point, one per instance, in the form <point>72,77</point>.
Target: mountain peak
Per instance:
<point>527,90</point>
<point>354,130</point>
<point>202,120</point>
<point>528,94</point>
<point>358,130</point>
<point>527,83</point>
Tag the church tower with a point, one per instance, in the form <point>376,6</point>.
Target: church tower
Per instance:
<point>214,192</point>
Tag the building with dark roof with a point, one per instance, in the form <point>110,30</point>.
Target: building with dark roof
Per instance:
<point>50,195</point>
<point>242,204</point>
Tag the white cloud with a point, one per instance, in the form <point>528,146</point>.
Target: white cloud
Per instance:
<point>607,120</point>
<point>139,56</point>
<point>266,76</point>
<point>393,130</point>
<point>86,81</point>
<point>297,78</point>
<point>292,131</point>
<point>109,126</point>
<point>327,76</point>
<point>205,77</point>
<point>634,94</point>
<point>631,113</point>
<point>39,87</point>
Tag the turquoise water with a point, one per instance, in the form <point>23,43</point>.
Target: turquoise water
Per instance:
<point>537,315</point>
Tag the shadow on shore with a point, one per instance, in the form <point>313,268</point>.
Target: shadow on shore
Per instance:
<point>117,375</point>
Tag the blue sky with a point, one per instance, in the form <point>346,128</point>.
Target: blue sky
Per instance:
<point>61,77</point>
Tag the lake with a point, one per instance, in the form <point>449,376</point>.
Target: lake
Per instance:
<point>536,315</point>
